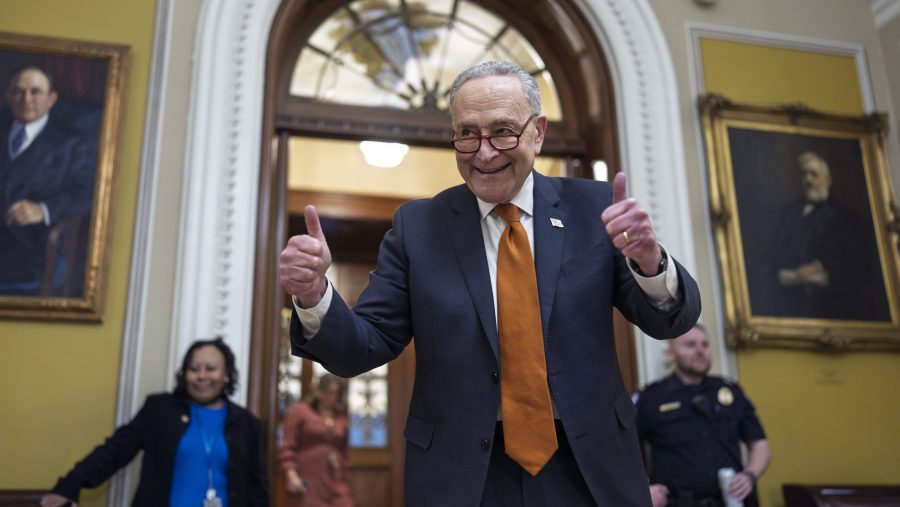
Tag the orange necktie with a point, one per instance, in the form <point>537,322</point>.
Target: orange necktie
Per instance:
<point>528,430</point>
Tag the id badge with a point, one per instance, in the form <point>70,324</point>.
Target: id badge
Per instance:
<point>211,499</point>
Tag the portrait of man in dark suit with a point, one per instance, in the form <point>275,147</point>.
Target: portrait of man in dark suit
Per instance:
<point>806,227</point>
<point>47,173</point>
<point>818,260</point>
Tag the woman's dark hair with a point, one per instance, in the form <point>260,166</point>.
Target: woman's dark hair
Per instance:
<point>326,381</point>
<point>230,369</point>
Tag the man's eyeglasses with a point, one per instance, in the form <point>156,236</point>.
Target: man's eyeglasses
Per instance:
<point>501,142</point>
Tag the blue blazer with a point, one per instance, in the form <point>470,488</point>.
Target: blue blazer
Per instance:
<point>432,283</point>
<point>58,169</point>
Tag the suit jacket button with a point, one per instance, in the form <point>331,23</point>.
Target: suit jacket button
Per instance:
<point>485,444</point>
<point>495,377</point>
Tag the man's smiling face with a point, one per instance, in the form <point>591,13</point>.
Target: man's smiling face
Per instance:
<point>29,95</point>
<point>496,105</point>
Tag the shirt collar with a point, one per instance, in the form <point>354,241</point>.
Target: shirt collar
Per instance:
<point>524,199</point>
<point>31,129</point>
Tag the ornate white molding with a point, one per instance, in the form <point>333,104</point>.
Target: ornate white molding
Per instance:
<point>214,282</point>
<point>124,483</point>
<point>650,134</point>
<point>884,11</point>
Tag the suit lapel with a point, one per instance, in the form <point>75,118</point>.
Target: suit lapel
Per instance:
<point>548,243</point>
<point>4,140</point>
<point>6,166</point>
<point>29,160</point>
<point>465,234</point>
<point>25,171</point>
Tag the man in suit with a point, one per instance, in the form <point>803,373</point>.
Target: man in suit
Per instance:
<point>823,261</point>
<point>46,176</point>
<point>437,279</point>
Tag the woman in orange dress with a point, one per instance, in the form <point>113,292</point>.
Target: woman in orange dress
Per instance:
<point>313,452</point>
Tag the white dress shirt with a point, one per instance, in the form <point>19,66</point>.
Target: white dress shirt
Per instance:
<point>31,132</point>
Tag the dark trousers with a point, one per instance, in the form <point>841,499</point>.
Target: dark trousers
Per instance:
<point>687,499</point>
<point>558,483</point>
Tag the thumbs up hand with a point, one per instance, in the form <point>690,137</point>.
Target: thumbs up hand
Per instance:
<point>628,224</point>
<point>304,261</point>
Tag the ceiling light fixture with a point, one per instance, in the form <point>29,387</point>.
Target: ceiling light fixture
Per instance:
<point>384,155</point>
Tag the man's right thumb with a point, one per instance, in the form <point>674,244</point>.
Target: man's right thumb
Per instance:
<point>313,226</point>
<point>619,188</point>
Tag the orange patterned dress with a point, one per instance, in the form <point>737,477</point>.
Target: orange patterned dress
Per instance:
<point>317,449</point>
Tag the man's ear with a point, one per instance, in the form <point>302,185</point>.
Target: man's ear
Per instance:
<point>540,125</point>
<point>51,97</point>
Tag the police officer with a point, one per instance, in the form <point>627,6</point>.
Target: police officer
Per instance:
<point>692,424</point>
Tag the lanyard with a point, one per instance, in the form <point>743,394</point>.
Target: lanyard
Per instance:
<point>209,443</point>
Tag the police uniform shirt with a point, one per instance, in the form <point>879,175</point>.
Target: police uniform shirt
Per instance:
<point>680,422</point>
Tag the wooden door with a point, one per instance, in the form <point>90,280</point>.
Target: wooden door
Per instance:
<point>376,469</point>
<point>354,227</point>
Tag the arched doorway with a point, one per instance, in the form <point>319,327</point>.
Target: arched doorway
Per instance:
<point>584,131</point>
<point>303,111</point>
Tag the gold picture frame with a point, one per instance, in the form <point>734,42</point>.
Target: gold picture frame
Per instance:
<point>806,227</point>
<point>53,262</point>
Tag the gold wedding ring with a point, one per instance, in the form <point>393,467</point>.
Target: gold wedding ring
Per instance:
<point>627,239</point>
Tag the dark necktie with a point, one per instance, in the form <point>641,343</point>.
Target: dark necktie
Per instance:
<point>529,433</point>
<point>17,142</point>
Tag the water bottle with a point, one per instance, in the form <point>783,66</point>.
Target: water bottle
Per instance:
<point>725,476</point>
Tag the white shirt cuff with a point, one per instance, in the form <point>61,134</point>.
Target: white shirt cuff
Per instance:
<point>311,318</point>
<point>662,289</point>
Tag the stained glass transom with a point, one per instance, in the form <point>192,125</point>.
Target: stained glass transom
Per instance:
<point>404,55</point>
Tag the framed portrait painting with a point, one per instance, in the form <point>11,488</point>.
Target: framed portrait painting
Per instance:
<point>806,227</point>
<point>59,130</point>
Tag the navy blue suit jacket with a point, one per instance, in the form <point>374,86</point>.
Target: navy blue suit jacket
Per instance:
<point>57,169</point>
<point>432,282</point>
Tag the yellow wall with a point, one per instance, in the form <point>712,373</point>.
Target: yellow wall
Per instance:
<point>58,380</point>
<point>829,418</point>
<point>763,75</point>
